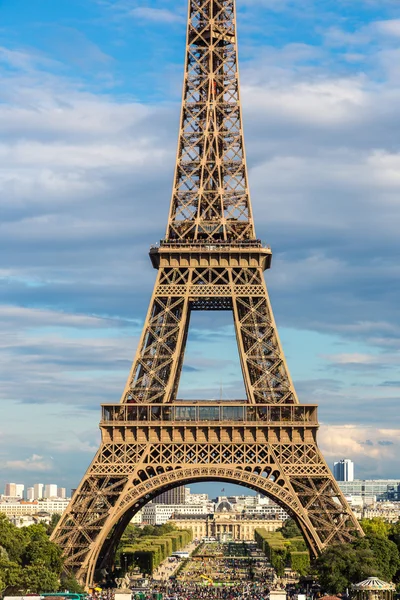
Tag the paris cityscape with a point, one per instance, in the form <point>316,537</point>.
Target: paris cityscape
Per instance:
<point>199,318</point>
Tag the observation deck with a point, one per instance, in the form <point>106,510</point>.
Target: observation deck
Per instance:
<point>246,253</point>
<point>202,412</point>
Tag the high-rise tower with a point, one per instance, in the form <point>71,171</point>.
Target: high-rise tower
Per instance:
<point>343,470</point>
<point>210,259</point>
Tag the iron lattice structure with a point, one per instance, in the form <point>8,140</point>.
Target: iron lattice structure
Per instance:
<point>210,259</point>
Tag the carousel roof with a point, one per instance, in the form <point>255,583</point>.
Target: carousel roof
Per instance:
<point>373,583</point>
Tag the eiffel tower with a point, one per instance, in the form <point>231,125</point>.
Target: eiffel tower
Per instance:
<point>210,259</point>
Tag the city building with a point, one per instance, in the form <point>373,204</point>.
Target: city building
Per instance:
<point>257,505</point>
<point>158,514</point>
<point>19,488</point>
<point>10,490</point>
<point>38,491</point>
<point>50,490</point>
<point>61,492</point>
<point>224,526</point>
<point>15,509</point>
<point>22,521</point>
<point>30,494</point>
<point>137,519</point>
<point>378,489</point>
<point>14,490</point>
<point>27,520</point>
<point>195,498</point>
<point>366,507</point>
<point>343,470</point>
<point>174,496</point>
<point>267,512</point>
<point>388,511</point>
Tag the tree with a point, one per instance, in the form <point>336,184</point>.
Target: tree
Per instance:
<point>165,528</point>
<point>340,565</point>
<point>10,574</point>
<point>39,548</point>
<point>3,586</point>
<point>130,535</point>
<point>376,526</point>
<point>53,523</point>
<point>12,539</point>
<point>68,582</point>
<point>386,554</point>
<point>290,529</point>
<point>29,561</point>
<point>148,530</point>
<point>300,562</point>
<point>38,578</point>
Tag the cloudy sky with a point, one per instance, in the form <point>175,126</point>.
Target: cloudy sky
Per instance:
<point>89,110</point>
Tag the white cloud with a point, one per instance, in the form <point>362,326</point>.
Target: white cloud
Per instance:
<point>12,316</point>
<point>159,15</point>
<point>355,358</point>
<point>326,103</point>
<point>372,449</point>
<point>389,27</point>
<point>34,463</point>
<point>75,445</point>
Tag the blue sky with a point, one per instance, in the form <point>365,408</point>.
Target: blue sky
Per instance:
<point>89,109</point>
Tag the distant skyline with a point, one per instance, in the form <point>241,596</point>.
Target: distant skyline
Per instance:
<point>89,111</point>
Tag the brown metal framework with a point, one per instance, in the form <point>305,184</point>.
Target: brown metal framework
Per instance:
<point>210,260</point>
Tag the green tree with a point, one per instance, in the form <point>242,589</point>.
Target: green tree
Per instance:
<point>166,528</point>
<point>130,535</point>
<point>29,561</point>
<point>386,554</point>
<point>53,523</point>
<point>39,548</point>
<point>376,526</point>
<point>69,583</point>
<point>38,578</point>
<point>148,530</point>
<point>12,539</point>
<point>340,565</point>
<point>10,574</point>
<point>290,529</point>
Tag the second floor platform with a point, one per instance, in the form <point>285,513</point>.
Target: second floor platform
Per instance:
<point>201,412</point>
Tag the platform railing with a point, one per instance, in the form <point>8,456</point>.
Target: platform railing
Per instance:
<point>207,412</point>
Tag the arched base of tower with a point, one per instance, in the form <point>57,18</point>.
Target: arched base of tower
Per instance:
<point>104,505</point>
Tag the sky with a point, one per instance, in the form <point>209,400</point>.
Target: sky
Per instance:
<point>89,113</point>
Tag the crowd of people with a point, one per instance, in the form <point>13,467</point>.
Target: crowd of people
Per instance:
<point>100,594</point>
<point>217,572</point>
<point>192,591</point>
<point>223,564</point>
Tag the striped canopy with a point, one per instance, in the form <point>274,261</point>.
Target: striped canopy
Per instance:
<point>373,583</point>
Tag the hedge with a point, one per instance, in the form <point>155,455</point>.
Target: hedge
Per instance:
<point>283,552</point>
<point>297,544</point>
<point>300,562</point>
<point>149,551</point>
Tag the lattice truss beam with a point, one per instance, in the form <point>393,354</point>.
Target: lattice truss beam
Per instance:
<point>210,198</point>
<point>158,363</point>
<point>124,476</point>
